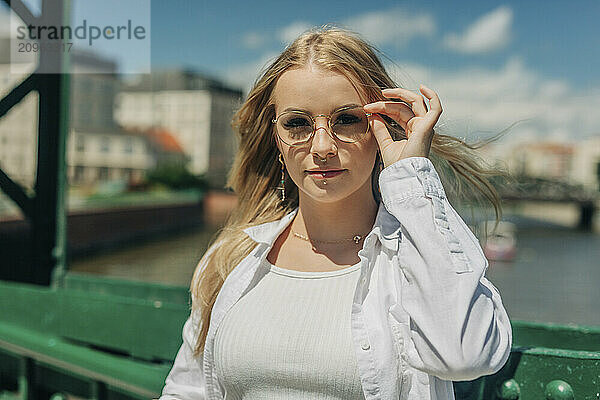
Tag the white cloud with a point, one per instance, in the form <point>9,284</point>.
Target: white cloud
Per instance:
<point>253,40</point>
<point>395,26</point>
<point>285,35</point>
<point>479,102</point>
<point>489,33</point>
<point>292,31</point>
<point>244,75</point>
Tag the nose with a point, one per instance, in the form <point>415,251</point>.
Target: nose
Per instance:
<point>323,142</point>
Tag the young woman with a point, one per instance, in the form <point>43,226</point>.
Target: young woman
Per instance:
<point>344,272</point>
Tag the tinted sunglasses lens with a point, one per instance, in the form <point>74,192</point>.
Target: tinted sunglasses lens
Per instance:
<point>294,128</point>
<point>350,125</point>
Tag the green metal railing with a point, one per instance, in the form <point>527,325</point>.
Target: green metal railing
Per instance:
<point>94,338</point>
<point>101,338</point>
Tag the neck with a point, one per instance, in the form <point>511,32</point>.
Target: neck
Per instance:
<point>343,219</point>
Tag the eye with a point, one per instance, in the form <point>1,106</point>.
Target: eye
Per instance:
<point>295,122</point>
<point>347,119</point>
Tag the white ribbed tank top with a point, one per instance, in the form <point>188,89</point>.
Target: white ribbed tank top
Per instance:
<point>290,338</point>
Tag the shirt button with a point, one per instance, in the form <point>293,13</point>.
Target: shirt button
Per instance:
<point>364,280</point>
<point>365,346</point>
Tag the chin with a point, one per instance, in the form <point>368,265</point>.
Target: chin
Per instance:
<point>325,195</point>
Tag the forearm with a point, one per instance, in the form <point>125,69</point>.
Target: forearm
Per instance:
<point>458,329</point>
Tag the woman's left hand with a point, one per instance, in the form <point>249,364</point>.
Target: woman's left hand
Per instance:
<point>415,119</point>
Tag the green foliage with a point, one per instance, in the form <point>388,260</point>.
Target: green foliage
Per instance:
<point>176,176</point>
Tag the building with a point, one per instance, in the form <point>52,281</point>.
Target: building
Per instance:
<point>98,149</point>
<point>94,85</point>
<point>18,128</point>
<point>551,160</point>
<point>586,163</point>
<point>106,155</point>
<point>97,156</point>
<point>196,109</point>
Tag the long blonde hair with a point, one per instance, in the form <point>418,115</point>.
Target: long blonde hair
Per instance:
<point>256,170</point>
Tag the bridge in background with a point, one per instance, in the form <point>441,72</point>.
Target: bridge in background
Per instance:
<point>535,189</point>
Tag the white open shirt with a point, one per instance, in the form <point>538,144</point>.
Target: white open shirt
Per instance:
<point>423,313</point>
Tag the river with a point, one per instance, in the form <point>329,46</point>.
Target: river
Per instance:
<point>554,278</point>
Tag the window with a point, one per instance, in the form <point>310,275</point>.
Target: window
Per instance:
<point>80,146</point>
<point>104,144</point>
<point>103,173</point>
<point>128,145</point>
<point>78,174</point>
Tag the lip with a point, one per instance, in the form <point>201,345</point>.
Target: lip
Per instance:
<point>325,173</point>
<point>324,170</point>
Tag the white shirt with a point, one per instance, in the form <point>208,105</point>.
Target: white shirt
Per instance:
<point>290,338</point>
<point>423,313</point>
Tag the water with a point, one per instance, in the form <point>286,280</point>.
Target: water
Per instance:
<point>554,278</point>
<point>170,260</point>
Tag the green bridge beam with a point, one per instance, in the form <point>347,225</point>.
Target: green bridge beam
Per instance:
<point>46,209</point>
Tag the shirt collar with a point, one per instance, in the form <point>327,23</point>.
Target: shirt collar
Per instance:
<point>269,231</point>
<point>386,228</point>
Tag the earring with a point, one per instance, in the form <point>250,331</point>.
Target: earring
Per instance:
<point>281,186</point>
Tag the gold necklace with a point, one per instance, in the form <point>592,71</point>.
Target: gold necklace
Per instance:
<point>355,239</point>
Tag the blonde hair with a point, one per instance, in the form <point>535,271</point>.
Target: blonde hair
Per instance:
<point>256,170</point>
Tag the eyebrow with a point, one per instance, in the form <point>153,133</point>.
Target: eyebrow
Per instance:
<point>336,109</point>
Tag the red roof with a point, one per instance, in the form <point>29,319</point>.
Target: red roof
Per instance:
<point>161,137</point>
<point>166,140</point>
<point>550,147</point>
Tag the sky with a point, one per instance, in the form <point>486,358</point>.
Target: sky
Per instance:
<point>492,63</point>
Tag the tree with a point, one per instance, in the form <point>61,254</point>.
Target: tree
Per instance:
<point>176,176</point>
